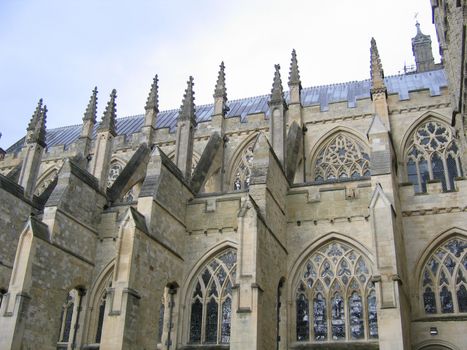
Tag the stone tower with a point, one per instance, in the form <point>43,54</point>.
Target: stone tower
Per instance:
<point>421,48</point>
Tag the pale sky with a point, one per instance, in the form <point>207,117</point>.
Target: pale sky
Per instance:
<point>60,49</point>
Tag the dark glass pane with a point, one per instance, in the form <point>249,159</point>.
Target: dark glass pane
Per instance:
<point>211,322</point>
<point>462,299</point>
<point>161,321</point>
<point>452,170</point>
<point>221,275</point>
<point>320,326</point>
<point>226,316</point>
<point>338,317</point>
<point>445,297</point>
<point>100,321</point>
<point>198,292</point>
<point>356,316</point>
<point>429,301</point>
<point>206,276</point>
<point>372,315</point>
<point>450,264</point>
<point>229,258</point>
<point>424,174</point>
<point>412,174</point>
<point>457,247</point>
<point>303,329</point>
<point>67,325</point>
<point>195,321</point>
<point>438,170</point>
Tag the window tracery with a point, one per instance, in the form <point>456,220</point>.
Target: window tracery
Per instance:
<point>433,154</point>
<point>211,301</point>
<point>335,298</point>
<point>444,285</point>
<point>242,169</point>
<point>68,319</point>
<point>343,157</point>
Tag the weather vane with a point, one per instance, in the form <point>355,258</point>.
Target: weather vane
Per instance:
<point>416,17</point>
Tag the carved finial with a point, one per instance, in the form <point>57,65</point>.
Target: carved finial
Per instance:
<point>187,109</point>
<point>35,116</point>
<point>110,114</point>
<point>294,74</point>
<point>40,128</point>
<point>91,110</point>
<point>376,69</point>
<point>221,90</point>
<point>277,92</point>
<point>153,98</point>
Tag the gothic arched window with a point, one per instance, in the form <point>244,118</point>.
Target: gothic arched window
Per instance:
<point>68,319</point>
<point>342,157</point>
<point>433,154</point>
<point>335,298</point>
<point>242,169</point>
<point>211,300</point>
<point>443,282</point>
<point>45,182</point>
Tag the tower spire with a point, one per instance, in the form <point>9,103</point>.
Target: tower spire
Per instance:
<point>220,93</point>
<point>110,114</point>
<point>376,69</point>
<point>153,99</point>
<point>91,110</point>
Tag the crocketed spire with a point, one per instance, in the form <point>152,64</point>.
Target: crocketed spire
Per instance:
<point>294,73</point>
<point>153,99</point>
<point>91,110</point>
<point>36,126</point>
<point>376,69</point>
<point>277,92</point>
<point>187,109</point>
<point>221,90</point>
<point>110,114</point>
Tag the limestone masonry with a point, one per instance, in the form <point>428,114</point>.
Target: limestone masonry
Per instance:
<point>329,217</point>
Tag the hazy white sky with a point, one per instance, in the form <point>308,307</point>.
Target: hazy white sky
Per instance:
<point>60,49</point>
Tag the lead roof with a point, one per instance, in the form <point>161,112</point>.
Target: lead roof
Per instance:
<point>322,96</point>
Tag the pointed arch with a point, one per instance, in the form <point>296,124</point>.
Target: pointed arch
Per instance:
<point>97,304</point>
<point>242,157</point>
<point>47,177</point>
<point>340,153</point>
<point>430,151</point>
<point>115,168</point>
<point>335,297</point>
<point>442,275</point>
<point>208,296</point>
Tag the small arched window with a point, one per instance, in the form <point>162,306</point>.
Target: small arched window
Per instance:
<point>45,182</point>
<point>68,319</point>
<point>433,154</point>
<point>341,158</point>
<point>211,300</point>
<point>335,298</point>
<point>242,169</point>
<point>443,282</point>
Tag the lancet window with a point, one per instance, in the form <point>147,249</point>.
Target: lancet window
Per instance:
<point>433,154</point>
<point>444,286</point>
<point>68,319</point>
<point>335,298</point>
<point>343,157</point>
<point>211,300</point>
<point>242,169</point>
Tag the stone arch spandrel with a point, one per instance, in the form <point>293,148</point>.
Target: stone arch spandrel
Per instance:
<point>435,345</point>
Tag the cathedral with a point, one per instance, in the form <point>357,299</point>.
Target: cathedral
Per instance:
<point>325,217</point>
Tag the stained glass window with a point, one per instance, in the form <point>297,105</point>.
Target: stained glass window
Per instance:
<point>443,281</point>
<point>161,321</point>
<point>336,279</point>
<point>100,319</point>
<point>211,300</point>
<point>432,153</point>
<point>343,157</point>
<point>242,168</point>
